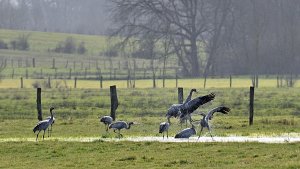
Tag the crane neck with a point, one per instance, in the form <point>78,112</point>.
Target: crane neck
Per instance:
<point>51,113</point>
<point>129,125</point>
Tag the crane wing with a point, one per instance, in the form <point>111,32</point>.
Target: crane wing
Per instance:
<point>221,109</point>
<point>192,105</point>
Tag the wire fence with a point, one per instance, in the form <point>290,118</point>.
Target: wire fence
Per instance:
<point>83,103</point>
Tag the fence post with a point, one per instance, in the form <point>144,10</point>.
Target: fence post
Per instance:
<point>251,111</point>
<point>39,104</point>
<point>204,83</point>
<point>180,95</point>
<point>154,83</point>
<point>114,101</point>
<point>101,82</point>
<point>49,82</point>
<point>26,73</point>
<point>230,81</point>
<point>70,73</point>
<point>13,73</point>
<point>33,62</point>
<point>53,63</point>
<point>176,80</point>
<point>75,83</point>
<point>22,82</point>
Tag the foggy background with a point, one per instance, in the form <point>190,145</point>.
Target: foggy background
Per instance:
<point>209,37</point>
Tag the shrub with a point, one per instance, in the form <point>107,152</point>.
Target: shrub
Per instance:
<point>69,46</point>
<point>3,45</point>
<point>21,43</point>
<point>81,49</point>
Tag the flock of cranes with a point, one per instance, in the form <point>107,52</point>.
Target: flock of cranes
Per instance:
<point>181,111</point>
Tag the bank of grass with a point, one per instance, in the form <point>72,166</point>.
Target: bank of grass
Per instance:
<point>54,154</point>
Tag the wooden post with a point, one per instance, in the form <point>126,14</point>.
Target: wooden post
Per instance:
<point>41,74</point>
<point>49,82</point>
<point>33,62</point>
<point>53,63</point>
<point>75,82</point>
<point>176,80</point>
<point>55,73</point>
<point>251,110</point>
<point>22,82</point>
<point>180,95</point>
<point>256,81</point>
<point>154,83</point>
<point>26,73</point>
<point>128,81</point>
<point>114,101</point>
<point>13,73</point>
<point>85,73</point>
<point>70,73</point>
<point>277,81</point>
<point>115,76</point>
<point>39,104</point>
<point>204,83</point>
<point>230,81</point>
<point>101,82</point>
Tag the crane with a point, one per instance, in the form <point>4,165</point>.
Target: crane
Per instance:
<point>106,120</point>
<point>120,125</point>
<point>186,133</point>
<point>175,109</point>
<point>43,125</point>
<point>164,127</point>
<point>205,120</point>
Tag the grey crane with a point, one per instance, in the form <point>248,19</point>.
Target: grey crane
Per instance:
<point>186,133</point>
<point>50,129</point>
<point>106,120</point>
<point>43,125</point>
<point>188,108</point>
<point>120,125</point>
<point>205,120</point>
<point>164,127</point>
<point>175,109</point>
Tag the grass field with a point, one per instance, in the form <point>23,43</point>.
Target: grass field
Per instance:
<point>42,41</point>
<point>53,154</point>
<point>276,113</point>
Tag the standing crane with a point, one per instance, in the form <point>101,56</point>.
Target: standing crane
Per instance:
<point>43,125</point>
<point>164,127</point>
<point>175,109</point>
<point>50,129</point>
<point>186,133</point>
<point>120,125</point>
<point>205,120</point>
<point>106,120</point>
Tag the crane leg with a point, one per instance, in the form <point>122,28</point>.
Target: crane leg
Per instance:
<point>210,134</point>
<point>51,131</point>
<point>106,128</point>
<point>37,136</point>
<point>167,134</point>
<point>44,135</point>
<point>200,133</point>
